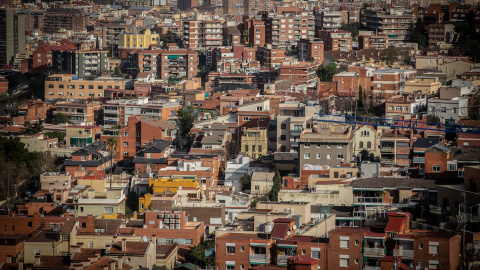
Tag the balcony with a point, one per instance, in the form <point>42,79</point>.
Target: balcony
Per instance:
<point>418,160</point>
<point>372,268</point>
<point>282,259</point>
<point>259,258</point>
<point>368,200</point>
<point>387,161</point>
<point>296,132</point>
<point>403,253</point>
<point>374,252</point>
<point>387,149</point>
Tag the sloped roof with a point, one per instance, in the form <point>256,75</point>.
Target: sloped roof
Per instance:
<point>280,231</point>
<point>395,224</point>
<point>263,176</point>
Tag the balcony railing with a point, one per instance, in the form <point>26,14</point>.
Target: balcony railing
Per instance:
<point>367,200</point>
<point>372,268</point>
<point>418,160</point>
<point>259,258</point>
<point>387,161</point>
<point>387,149</point>
<point>403,253</point>
<point>282,259</point>
<point>374,251</point>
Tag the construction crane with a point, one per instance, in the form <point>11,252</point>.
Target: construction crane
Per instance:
<point>396,123</point>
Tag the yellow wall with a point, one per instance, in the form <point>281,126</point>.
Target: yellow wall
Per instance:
<point>62,86</point>
<point>138,40</point>
<point>97,184</point>
<point>163,185</point>
<point>261,140</point>
<point>46,248</point>
<point>74,132</point>
<point>146,201</point>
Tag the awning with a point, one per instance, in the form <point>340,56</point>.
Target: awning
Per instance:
<point>173,57</point>
<point>287,246</point>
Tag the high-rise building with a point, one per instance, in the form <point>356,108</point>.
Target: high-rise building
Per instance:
<point>55,19</point>
<point>175,64</point>
<point>286,29</point>
<point>12,35</point>
<point>84,63</point>
<point>397,24</point>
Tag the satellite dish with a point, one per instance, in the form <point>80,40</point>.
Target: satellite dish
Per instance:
<point>145,239</point>
<point>289,232</point>
<point>294,227</point>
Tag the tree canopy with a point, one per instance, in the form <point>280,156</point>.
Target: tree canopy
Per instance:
<point>60,118</point>
<point>245,182</point>
<point>197,254</point>
<point>353,28</point>
<point>391,55</point>
<point>277,186</point>
<point>55,134</point>
<point>420,35</point>
<point>325,73</point>
<point>186,117</point>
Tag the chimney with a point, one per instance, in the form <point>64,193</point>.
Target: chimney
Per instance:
<point>9,258</point>
<point>154,239</point>
<point>105,268</point>
<point>20,264</point>
<point>37,259</point>
<point>120,263</point>
<point>124,244</point>
<point>112,265</point>
<point>107,249</point>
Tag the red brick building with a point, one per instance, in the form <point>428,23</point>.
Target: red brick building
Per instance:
<point>378,42</point>
<point>270,56</point>
<point>337,40</point>
<point>311,49</point>
<point>175,64</point>
<point>256,32</point>
<point>302,73</point>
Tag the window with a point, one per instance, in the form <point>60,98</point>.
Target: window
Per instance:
<point>259,148</point>
<point>306,155</point>
<point>246,148</point>
<point>90,87</point>
<point>242,249</point>
<point>125,153</point>
<point>138,134</point>
<point>420,246</point>
<point>125,134</point>
<point>253,148</point>
<point>344,261</point>
<point>50,93</point>
<point>230,267</point>
<point>340,146</point>
<point>262,118</point>
<point>316,253</point>
<point>329,156</point>
<point>246,118</point>
<point>283,126</point>
<point>340,156</point>
<point>318,145</point>
<point>30,224</point>
<point>379,85</point>
<point>433,264</point>
<point>231,249</point>
<point>303,252</point>
<point>318,156</point>
<point>125,144</point>
<point>344,241</point>
<point>329,146</point>
<point>436,168</point>
<point>356,242</point>
<point>306,145</point>
<point>259,109</point>
<point>369,145</point>
<point>283,137</point>
<point>444,109</point>
<point>60,86</point>
<point>50,86</point>
<point>451,166</point>
<point>108,209</point>
<point>81,86</point>
<point>242,266</point>
<point>433,247</point>
<point>84,158</point>
<point>390,108</point>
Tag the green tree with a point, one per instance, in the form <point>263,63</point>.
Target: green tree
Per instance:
<point>364,155</point>
<point>245,37</point>
<point>132,202</point>
<point>196,255</point>
<point>325,73</point>
<point>35,128</point>
<point>277,186</point>
<point>245,182</point>
<point>420,35</point>
<point>186,117</point>
<point>55,134</point>
<point>112,147</point>
<point>170,37</point>
<point>360,97</point>
<point>432,118</point>
<point>117,72</point>
<point>203,73</point>
<point>391,55</point>
<point>353,28</point>
<point>60,118</point>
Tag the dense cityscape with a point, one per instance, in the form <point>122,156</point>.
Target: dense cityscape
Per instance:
<point>239,134</point>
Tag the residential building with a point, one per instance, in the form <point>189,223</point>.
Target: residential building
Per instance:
<point>211,34</point>
<point>88,113</point>
<point>96,202</point>
<point>449,111</point>
<point>12,247</point>
<point>151,158</point>
<point>440,33</point>
<point>189,186</point>
<point>137,254</point>
<point>418,152</point>
<point>81,135</point>
<point>286,29</point>
<point>311,50</point>
<point>379,42</point>
<point>55,19</point>
<point>270,56</point>
<point>254,142</point>
<point>235,203</point>
<point>395,148</point>
<point>256,32</point>
<point>421,86</point>
<point>187,5</point>
<point>191,33</point>
<point>55,180</point>
<point>337,40</point>
<point>395,23</point>
<point>84,63</point>
<point>232,6</point>
<point>325,145</point>
<point>70,88</point>
<point>12,38</point>
<point>175,64</point>
<point>326,20</point>
<point>91,157</point>
<point>389,82</point>
<point>366,139</point>
<point>301,73</point>
<point>449,163</point>
<point>398,108</point>
<point>138,41</point>
<point>261,183</point>
<point>436,62</point>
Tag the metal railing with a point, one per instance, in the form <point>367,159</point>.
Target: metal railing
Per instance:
<point>403,253</point>
<point>374,251</point>
<point>367,200</point>
<point>259,257</point>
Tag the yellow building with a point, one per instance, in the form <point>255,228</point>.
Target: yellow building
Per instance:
<point>254,142</point>
<point>130,41</point>
<point>79,136</point>
<point>423,85</point>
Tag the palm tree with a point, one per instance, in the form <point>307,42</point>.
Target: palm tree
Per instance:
<point>112,146</point>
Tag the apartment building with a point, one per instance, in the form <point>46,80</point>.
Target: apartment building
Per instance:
<point>293,118</point>
<point>285,30</point>
<point>366,139</point>
<point>395,23</point>
<point>252,7</point>
<point>436,62</point>
<point>311,49</point>
<point>398,108</point>
<point>270,56</point>
<point>301,73</point>
<point>143,40</point>
<point>81,135</point>
<point>379,42</point>
<point>89,113</point>
<point>418,152</point>
<point>326,20</point>
<point>150,158</point>
<point>448,110</point>
<point>389,82</point>
<point>325,145</point>
<point>395,148</point>
<point>187,4</point>
<point>256,32</point>
<point>254,143</point>
<point>191,33</point>
<point>211,33</point>
<point>69,87</point>
<point>232,6</point>
<point>42,57</point>
<point>117,112</point>
<point>449,163</point>
<point>139,132</point>
<point>94,157</point>
<point>336,40</point>
<point>174,65</point>
<point>145,61</point>
<point>55,19</point>
<point>12,35</point>
<point>423,85</point>
<point>84,63</point>
<point>440,33</point>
